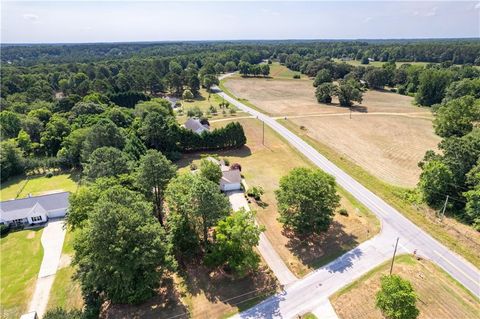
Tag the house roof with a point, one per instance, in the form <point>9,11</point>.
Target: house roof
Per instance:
<point>231,177</point>
<point>194,125</point>
<point>20,208</point>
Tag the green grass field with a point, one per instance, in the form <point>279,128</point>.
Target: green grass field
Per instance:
<point>21,255</point>
<point>278,71</point>
<point>21,186</point>
<point>203,102</point>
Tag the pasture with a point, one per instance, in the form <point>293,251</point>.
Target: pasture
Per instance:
<point>439,296</point>
<point>385,134</point>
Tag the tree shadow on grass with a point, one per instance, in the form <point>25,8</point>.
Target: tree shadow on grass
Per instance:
<point>165,304</point>
<point>318,250</point>
<point>223,291</point>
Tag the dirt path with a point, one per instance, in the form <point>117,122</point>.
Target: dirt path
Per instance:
<point>52,242</point>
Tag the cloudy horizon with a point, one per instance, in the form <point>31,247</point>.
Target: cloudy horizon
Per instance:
<point>151,21</point>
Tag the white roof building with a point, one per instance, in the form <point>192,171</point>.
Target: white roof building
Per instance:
<point>34,210</point>
<point>194,125</point>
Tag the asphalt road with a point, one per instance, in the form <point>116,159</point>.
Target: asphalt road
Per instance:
<point>298,296</point>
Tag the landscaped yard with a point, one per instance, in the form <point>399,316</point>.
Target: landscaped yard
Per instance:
<point>203,102</point>
<point>263,165</point>
<point>21,255</point>
<point>439,296</point>
<point>21,186</point>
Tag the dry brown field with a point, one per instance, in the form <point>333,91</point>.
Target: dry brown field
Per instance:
<point>439,296</point>
<point>386,134</point>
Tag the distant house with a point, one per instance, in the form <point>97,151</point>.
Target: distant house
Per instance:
<point>194,125</point>
<point>231,178</point>
<point>33,210</point>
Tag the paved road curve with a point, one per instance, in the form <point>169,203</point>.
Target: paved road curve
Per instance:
<point>393,223</point>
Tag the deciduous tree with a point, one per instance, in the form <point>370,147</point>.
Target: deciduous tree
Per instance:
<point>307,199</point>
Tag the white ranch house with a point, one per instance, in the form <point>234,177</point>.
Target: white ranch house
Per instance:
<point>194,125</point>
<point>231,178</point>
<point>34,209</point>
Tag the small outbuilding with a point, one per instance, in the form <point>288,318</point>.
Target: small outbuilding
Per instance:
<point>33,209</point>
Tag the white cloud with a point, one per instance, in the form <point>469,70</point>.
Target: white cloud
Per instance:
<point>367,19</point>
<point>31,17</point>
<point>432,12</point>
<point>477,6</point>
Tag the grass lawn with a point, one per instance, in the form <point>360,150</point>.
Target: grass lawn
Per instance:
<point>263,165</point>
<point>278,71</point>
<point>66,293</point>
<point>458,237</point>
<point>21,186</point>
<point>203,102</point>
<point>439,296</point>
<point>21,256</point>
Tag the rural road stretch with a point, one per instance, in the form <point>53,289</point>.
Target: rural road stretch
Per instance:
<point>298,296</point>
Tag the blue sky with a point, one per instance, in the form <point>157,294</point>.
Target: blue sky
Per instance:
<point>100,21</point>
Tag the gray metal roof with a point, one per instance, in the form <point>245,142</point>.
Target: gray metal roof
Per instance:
<point>19,208</point>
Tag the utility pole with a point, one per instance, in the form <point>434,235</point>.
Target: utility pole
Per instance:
<point>444,208</point>
<point>350,113</point>
<point>394,253</point>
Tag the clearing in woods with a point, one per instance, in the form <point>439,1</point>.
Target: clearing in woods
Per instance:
<point>385,134</point>
<point>439,296</point>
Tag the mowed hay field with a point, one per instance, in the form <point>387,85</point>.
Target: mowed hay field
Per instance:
<point>264,165</point>
<point>439,296</point>
<point>385,134</point>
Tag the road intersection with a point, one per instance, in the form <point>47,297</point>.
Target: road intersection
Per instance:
<point>310,292</point>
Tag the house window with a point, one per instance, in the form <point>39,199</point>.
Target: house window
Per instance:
<point>18,221</point>
<point>36,218</point>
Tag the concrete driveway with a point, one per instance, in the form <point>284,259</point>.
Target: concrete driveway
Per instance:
<point>52,242</point>
<point>273,260</point>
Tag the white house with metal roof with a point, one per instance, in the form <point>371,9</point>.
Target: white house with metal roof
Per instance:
<point>34,209</point>
<point>196,126</point>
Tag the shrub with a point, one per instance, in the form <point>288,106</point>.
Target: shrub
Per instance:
<point>236,166</point>
<point>49,175</point>
<point>226,161</point>
<point>232,111</point>
<point>4,229</point>
<point>256,192</point>
<point>343,212</point>
<point>193,167</point>
<point>296,76</point>
<point>394,90</point>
